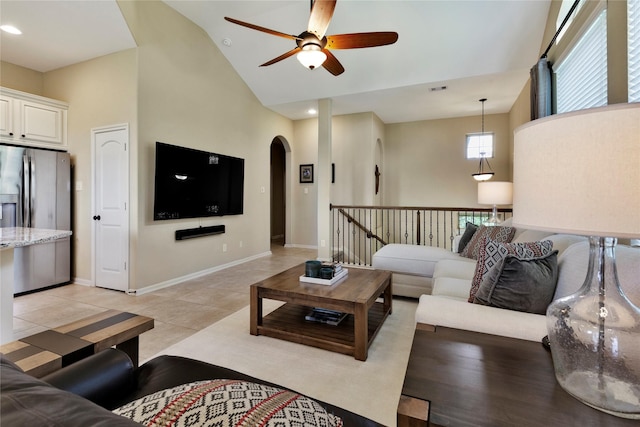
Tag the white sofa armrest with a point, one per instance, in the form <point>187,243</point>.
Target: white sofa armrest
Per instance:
<point>453,313</point>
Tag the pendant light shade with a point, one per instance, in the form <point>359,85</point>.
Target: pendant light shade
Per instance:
<point>483,175</point>
<point>311,56</point>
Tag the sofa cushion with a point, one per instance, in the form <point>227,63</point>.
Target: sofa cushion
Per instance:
<point>227,402</point>
<point>410,259</point>
<point>562,242</point>
<point>411,285</point>
<point>520,284</point>
<point>451,287</point>
<point>469,231</point>
<point>522,236</point>
<point>572,270</point>
<point>493,253</point>
<point>453,313</point>
<point>461,268</point>
<point>496,233</point>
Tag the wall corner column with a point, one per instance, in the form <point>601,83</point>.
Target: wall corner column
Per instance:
<point>324,179</point>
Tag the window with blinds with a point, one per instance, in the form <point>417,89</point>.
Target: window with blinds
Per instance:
<point>633,45</point>
<point>581,77</point>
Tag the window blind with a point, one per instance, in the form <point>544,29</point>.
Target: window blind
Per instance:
<point>581,77</point>
<point>633,45</point>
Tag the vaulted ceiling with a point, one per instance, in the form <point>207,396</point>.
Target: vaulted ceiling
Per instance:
<point>474,48</point>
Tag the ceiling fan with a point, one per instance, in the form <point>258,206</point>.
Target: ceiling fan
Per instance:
<point>313,46</point>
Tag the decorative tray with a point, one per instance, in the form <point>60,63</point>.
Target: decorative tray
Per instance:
<point>327,282</point>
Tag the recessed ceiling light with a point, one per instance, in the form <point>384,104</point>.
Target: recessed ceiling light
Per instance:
<point>10,29</point>
<point>227,41</point>
<point>312,111</point>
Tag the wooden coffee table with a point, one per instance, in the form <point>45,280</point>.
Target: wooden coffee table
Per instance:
<point>357,295</point>
<point>462,378</point>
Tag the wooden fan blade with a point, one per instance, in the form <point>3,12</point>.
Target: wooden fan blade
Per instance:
<point>320,17</point>
<point>281,57</point>
<point>331,64</point>
<point>360,40</point>
<point>263,29</point>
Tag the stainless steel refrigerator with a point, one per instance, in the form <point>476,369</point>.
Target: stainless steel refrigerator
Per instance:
<point>35,191</point>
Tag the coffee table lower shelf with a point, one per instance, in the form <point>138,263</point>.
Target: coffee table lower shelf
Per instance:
<point>288,323</point>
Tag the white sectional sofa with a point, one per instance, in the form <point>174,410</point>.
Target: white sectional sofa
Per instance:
<point>441,279</point>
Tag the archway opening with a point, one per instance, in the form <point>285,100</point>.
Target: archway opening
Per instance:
<point>278,192</point>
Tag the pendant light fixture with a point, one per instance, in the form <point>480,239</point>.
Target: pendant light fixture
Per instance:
<point>483,175</point>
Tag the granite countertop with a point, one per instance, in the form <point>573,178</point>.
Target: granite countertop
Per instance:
<point>15,237</point>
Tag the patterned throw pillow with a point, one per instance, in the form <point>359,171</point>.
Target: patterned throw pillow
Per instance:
<point>492,255</point>
<point>227,402</point>
<point>496,233</point>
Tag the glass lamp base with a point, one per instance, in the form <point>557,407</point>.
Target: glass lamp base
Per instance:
<point>493,219</point>
<point>595,338</point>
<point>589,387</point>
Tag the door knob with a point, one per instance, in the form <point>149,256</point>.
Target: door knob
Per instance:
<point>96,217</point>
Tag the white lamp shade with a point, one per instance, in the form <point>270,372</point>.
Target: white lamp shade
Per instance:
<point>495,193</point>
<point>579,172</point>
<point>311,56</point>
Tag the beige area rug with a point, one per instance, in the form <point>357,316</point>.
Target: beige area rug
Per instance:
<point>371,388</point>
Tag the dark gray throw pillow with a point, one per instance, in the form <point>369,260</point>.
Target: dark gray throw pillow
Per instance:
<point>466,236</point>
<point>522,285</point>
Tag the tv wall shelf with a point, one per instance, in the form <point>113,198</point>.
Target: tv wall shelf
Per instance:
<point>190,233</point>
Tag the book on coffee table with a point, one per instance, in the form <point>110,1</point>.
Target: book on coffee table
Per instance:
<point>322,315</point>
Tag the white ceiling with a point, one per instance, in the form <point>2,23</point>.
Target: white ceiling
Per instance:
<point>476,48</point>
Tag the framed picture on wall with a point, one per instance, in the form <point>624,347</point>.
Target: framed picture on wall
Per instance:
<point>306,174</point>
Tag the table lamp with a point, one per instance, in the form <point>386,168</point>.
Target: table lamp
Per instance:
<point>579,173</point>
<point>495,193</point>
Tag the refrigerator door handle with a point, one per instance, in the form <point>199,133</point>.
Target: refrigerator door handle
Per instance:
<point>32,188</point>
<point>26,191</point>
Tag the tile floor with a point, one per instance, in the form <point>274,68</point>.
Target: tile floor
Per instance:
<point>179,311</point>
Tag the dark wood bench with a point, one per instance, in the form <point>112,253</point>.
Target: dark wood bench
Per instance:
<point>48,351</point>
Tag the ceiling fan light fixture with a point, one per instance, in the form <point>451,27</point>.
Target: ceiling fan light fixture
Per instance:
<point>311,56</point>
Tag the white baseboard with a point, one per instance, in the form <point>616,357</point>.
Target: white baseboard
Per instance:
<point>83,282</point>
<point>293,245</point>
<point>195,275</point>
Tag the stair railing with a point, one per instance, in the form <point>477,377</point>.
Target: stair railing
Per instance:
<point>359,231</point>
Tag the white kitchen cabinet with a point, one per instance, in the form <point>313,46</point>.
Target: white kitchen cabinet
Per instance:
<point>6,116</point>
<point>27,119</point>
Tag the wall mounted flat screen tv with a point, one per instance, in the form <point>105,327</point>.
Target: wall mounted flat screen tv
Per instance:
<point>192,183</point>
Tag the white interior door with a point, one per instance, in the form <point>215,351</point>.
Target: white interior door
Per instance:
<point>111,207</point>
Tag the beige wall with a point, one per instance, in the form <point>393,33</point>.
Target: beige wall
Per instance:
<point>189,95</point>
<point>353,153</point>
<point>520,114</point>
<point>100,92</point>
<point>304,150</point>
<point>353,148</point>
<point>20,78</point>
<point>425,163</point>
